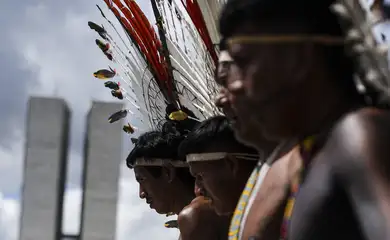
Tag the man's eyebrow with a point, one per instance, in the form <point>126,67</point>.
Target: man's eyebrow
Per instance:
<point>138,176</point>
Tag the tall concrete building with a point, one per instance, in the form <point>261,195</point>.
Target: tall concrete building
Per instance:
<point>45,169</point>
<point>103,156</point>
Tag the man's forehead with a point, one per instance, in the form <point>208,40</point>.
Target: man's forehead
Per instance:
<point>273,26</point>
<point>196,167</point>
<point>142,170</point>
<point>224,56</point>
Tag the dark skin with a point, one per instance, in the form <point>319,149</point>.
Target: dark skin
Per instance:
<point>346,192</point>
<point>223,181</point>
<point>357,162</point>
<point>166,193</point>
<point>244,125</point>
<point>197,190</point>
<point>198,221</point>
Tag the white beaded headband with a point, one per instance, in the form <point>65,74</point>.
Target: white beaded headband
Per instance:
<point>199,157</point>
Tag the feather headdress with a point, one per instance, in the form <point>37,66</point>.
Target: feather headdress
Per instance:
<point>359,21</point>
<point>166,70</point>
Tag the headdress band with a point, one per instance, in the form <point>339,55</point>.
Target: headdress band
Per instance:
<point>322,39</point>
<point>158,162</point>
<point>198,157</point>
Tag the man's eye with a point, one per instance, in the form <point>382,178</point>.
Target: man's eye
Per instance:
<point>241,58</point>
<point>199,177</point>
<point>241,61</point>
<point>140,179</point>
<point>225,65</point>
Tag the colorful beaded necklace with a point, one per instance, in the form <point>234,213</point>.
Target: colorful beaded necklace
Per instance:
<point>236,221</point>
<point>305,149</point>
<point>242,204</point>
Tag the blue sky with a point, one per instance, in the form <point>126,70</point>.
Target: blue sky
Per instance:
<point>47,49</point>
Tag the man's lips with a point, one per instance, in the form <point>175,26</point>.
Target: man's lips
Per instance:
<point>150,203</point>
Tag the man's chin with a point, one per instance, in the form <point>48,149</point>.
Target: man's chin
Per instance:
<point>161,212</point>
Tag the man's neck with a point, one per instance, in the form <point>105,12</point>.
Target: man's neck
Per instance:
<point>328,115</point>
<point>324,103</point>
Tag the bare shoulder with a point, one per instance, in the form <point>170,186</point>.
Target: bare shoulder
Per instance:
<point>199,208</point>
<point>359,139</point>
<point>196,220</point>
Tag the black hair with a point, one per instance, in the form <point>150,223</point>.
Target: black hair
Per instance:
<point>134,140</point>
<point>163,145</point>
<point>155,144</point>
<point>182,127</point>
<point>145,145</point>
<point>386,9</point>
<point>213,134</point>
<point>222,45</point>
<point>315,14</point>
<point>318,18</point>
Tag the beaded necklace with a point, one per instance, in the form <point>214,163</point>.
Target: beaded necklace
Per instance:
<point>241,206</point>
<point>305,149</point>
<point>238,216</point>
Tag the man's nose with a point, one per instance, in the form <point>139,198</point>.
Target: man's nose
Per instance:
<point>235,87</point>
<point>142,193</point>
<point>221,100</point>
<point>199,188</point>
<point>222,76</point>
<point>197,191</point>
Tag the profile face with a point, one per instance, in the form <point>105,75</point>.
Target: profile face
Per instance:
<point>215,180</point>
<point>271,79</point>
<point>233,104</point>
<point>153,187</point>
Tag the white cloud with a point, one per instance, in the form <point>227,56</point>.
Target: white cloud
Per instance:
<point>10,164</point>
<point>72,210</point>
<point>9,214</point>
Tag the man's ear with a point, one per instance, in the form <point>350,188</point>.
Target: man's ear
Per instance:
<point>232,165</point>
<point>168,173</point>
